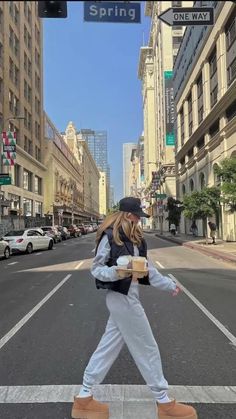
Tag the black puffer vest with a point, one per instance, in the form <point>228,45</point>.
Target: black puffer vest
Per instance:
<point>127,248</point>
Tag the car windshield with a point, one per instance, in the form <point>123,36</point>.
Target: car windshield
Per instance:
<point>46,228</point>
<point>15,233</point>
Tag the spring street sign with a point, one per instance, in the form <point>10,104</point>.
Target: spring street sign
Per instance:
<point>115,12</point>
<point>188,16</point>
<point>5,179</point>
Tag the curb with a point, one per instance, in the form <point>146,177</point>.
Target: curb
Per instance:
<point>190,245</point>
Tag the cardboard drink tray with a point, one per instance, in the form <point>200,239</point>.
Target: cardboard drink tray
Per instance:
<point>129,271</point>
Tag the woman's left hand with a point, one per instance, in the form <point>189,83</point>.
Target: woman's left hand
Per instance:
<point>176,291</point>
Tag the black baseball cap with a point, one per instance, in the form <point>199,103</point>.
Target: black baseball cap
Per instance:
<point>133,205</point>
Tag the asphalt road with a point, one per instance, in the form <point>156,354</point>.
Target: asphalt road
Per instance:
<point>52,317</point>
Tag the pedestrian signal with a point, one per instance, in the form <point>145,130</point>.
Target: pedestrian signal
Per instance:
<point>52,9</point>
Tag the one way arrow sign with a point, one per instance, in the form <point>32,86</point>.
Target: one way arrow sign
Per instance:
<point>188,16</point>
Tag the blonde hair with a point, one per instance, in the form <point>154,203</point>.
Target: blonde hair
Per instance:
<point>121,219</point>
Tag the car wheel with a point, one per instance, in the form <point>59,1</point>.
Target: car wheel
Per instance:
<point>7,253</point>
<point>50,245</point>
<point>29,248</point>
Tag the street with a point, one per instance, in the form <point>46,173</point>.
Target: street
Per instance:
<point>52,318</point>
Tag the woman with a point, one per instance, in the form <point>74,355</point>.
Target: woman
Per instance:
<point>120,234</point>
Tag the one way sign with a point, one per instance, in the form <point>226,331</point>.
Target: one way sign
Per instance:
<point>186,16</point>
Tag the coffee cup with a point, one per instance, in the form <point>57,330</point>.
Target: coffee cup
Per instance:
<point>139,263</point>
<point>122,262</point>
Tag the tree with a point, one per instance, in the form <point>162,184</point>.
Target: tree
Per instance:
<point>115,208</point>
<point>227,174</point>
<point>174,208</point>
<point>202,204</point>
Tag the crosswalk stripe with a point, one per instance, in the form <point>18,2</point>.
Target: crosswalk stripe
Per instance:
<point>114,392</point>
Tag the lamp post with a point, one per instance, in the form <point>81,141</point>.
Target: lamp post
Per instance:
<point>1,144</point>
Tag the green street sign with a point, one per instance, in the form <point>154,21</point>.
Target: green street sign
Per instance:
<point>161,195</point>
<point>170,139</point>
<point>5,180</point>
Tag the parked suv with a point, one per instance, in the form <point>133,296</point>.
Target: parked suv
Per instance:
<point>65,234</point>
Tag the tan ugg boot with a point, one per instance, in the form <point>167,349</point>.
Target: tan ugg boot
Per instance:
<point>88,408</point>
<point>174,410</point>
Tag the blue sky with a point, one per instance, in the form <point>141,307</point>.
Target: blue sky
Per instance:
<point>90,78</point>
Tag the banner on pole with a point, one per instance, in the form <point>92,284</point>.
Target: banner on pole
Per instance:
<point>9,148</point>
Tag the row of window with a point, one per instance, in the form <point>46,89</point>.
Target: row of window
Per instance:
<point>230,113</point>
<point>30,183</point>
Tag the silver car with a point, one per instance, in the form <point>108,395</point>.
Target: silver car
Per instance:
<point>5,250</point>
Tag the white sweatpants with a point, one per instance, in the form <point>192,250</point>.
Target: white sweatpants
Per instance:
<point>128,324</point>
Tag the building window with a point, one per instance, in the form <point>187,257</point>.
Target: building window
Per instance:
<point>190,115</point>
<point>200,99</point>
<point>231,72</point>
<point>190,153</point>
<point>191,185</point>
<point>182,125</point>
<point>27,206</point>
<point>213,78</point>
<point>1,54</point>
<point>38,208</point>
<point>202,181</point>
<point>201,143</point>
<point>17,175</point>
<point>37,153</point>
<point>231,111</point>
<point>38,185</point>
<point>230,30</point>
<point>214,128</point>
<point>27,180</point>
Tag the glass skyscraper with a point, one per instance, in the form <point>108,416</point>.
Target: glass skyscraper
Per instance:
<point>97,143</point>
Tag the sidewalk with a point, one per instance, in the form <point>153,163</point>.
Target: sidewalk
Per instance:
<point>222,250</point>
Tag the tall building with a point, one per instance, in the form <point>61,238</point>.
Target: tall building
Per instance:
<point>156,73</point>
<point>102,194</point>
<point>205,96</point>
<point>127,152</point>
<point>79,147</point>
<point>21,106</point>
<point>97,144</point>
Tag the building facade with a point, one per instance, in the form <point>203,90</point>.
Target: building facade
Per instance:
<point>91,175</point>
<point>127,152</point>
<point>63,193</point>
<point>102,194</point>
<point>97,144</point>
<point>21,107</point>
<point>156,73</point>
<point>205,96</point>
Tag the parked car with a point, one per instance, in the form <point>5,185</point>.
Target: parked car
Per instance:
<point>83,229</point>
<point>65,234</point>
<point>74,230</point>
<point>5,250</point>
<point>95,226</point>
<point>28,240</point>
<point>90,228</point>
<point>53,233</point>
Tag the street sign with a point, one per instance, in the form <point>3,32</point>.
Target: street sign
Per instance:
<point>5,179</point>
<point>169,107</point>
<point>188,16</point>
<point>161,195</point>
<point>116,12</point>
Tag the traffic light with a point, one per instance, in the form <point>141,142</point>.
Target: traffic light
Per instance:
<point>52,9</point>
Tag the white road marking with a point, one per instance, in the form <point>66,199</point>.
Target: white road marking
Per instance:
<point>36,254</point>
<point>214,320</point>
<point>159,264</point>
<point>79,264</point>
<point>12,263</point>
<point>24,319</point>
<point>114,392</point>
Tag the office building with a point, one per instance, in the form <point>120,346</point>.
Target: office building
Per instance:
<point>127,167</point>
<point>21,107</point>
<point>205,96</point>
